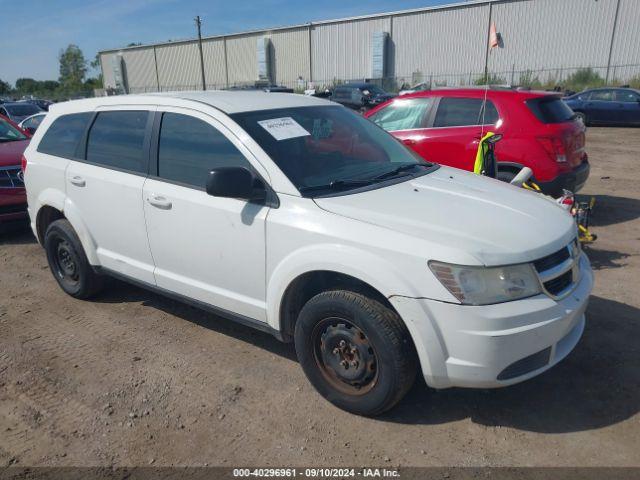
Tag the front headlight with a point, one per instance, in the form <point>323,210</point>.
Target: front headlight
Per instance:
<point>486,285</point>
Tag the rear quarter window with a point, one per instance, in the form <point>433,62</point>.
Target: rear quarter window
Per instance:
<point>550,109</point>
<point>63,135</point>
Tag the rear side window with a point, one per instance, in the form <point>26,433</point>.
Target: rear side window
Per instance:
<point>403,114</point>
<point>460,112</point>
<point>62,137</point>
<point>602,96</point>
<point>116,140</point>
<point>189,148</point>
<point>550,109</point>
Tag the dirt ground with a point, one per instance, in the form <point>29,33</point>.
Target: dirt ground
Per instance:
<point>135,379</point>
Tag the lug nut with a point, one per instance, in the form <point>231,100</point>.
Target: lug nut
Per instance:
<point>342,343</point>
<point>344,363</point>
<point>354,363</point>
<point>336,351</point>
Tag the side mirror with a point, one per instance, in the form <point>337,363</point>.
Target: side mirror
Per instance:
<point>235,182</point>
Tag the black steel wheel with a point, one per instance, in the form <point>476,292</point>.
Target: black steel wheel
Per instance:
<point>355,351</point>
<point>68,262</point>
<point>345,356</point>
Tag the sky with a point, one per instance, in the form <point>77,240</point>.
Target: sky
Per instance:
<point>34,31</point>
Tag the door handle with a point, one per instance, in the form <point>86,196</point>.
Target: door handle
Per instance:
<point>159,202</point>
<point>78,181</point>
<point>409,141</point>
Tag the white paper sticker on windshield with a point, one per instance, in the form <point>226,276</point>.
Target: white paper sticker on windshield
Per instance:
<point>283,128</point>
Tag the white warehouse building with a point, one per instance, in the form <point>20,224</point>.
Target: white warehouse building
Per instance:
<point>445,45</point>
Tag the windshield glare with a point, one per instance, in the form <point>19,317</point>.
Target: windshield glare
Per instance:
<point>9,133</point>
<point>326,146</point>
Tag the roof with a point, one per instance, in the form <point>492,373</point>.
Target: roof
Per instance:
<point>246,101</point>
<point>225,100</point>
<point>479,92</point>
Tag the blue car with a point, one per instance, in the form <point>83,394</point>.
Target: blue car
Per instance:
<point>607,106</point>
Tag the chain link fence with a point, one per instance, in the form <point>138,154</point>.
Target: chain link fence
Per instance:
<point>568,79</point>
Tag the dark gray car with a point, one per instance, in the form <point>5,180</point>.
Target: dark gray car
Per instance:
<point>18,111</point>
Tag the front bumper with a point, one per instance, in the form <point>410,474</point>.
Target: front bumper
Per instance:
<point>495,345</point>
<point>572,181</point>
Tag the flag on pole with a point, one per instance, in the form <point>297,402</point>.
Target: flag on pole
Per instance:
<point>493,36</point>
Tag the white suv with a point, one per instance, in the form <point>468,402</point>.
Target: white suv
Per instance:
<point>299,217</point>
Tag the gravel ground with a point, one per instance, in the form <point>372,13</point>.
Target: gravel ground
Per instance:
<point>135,379</point>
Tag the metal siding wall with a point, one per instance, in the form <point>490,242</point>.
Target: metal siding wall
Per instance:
<point>441,42</point>
<point>242,59</point>
<point>626,46</point>
<point>552,34</point>
<point>179,67</point>
<point>140,70</point>
<point>107,72</point>
<point>343,50</point>
<point>214,67</point>
<point>557,36</point>
<point>290,55</point>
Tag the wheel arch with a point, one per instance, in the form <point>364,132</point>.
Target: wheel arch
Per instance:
<point>54,206</point>
<point>309,284</point>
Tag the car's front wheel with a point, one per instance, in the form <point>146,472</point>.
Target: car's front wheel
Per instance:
<point>355,351</point>
<point>68,262</point>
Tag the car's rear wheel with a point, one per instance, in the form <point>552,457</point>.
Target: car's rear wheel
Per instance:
<point>582,117</point>
<point>68,262</point>
<point>355,351</point>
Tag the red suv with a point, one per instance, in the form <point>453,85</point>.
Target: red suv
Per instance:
<point>539,131</point>
<point>13,198</point>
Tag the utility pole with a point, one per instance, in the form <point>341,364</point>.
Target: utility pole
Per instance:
<point>199,25</point>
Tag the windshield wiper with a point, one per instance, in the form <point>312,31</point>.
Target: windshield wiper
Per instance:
<point>400,169</point>
<point>336,185</point>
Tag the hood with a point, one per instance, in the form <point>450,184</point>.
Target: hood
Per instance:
<point>497,223</point>
<point>11,152</point>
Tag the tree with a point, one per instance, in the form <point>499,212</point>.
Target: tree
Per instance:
<point>5,87</point>
<point>27,85</point>
<point>73,67</point>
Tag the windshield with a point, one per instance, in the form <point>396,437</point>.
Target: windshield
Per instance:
<point>22,110</point>
<point>329,148</point>
<point>8,133</point>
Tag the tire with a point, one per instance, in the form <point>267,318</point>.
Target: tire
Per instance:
<point>68,262</point>
<point>582,117</point>
<point>505,175</point>
<point>343,326</point>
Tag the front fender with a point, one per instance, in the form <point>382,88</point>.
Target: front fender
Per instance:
<point>374,270</point>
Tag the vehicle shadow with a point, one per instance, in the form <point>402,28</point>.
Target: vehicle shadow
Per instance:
<point>596,386</point>
<point>605,259</point>
<point>121,292</point>
<point>610,210</point>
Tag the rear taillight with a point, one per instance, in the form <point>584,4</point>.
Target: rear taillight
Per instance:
<point>554,146</point>
<point>23,163</point>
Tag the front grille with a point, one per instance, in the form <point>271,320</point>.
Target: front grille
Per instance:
<point>559,272</point>
<point>552,260</point>
<point>11,177</point>
<point>559,284</point>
